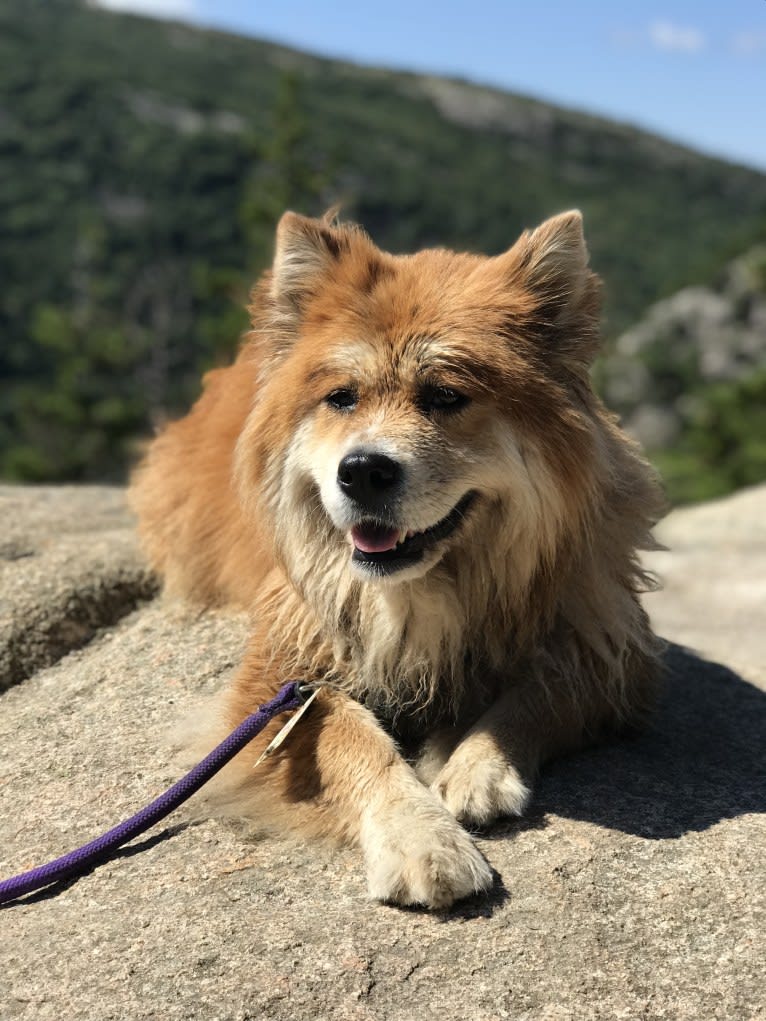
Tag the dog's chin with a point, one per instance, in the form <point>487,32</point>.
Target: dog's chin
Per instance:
<point>413,555</point>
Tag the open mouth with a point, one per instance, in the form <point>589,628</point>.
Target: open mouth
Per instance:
<point>389,549</point>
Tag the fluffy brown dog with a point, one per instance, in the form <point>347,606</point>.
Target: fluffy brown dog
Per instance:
<point>407,476</point>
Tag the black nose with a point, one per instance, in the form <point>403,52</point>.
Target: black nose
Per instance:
<point>369,478</point>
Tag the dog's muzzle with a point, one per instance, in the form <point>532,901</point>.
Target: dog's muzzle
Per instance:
<point>384,550</point>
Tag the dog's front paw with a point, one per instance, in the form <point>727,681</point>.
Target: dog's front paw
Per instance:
<point>477,789</point>
<point>420,855</point>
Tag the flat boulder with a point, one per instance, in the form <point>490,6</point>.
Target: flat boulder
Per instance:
<point>633,887</point>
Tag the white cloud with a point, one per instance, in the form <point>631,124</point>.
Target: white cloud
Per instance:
<point>152,8</point>
<point>747,44</point>
<point>664,35</point>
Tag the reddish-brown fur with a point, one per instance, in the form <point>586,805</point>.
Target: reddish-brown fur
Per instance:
<point>522,638</point>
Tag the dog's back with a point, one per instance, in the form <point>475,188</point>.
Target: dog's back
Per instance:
<point>190,519</point>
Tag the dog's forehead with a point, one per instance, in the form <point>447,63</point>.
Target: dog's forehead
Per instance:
<point>425,313</point>
<point>432,294</point>
<point>404,354</point>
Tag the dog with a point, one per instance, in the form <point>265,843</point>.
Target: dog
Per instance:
<point>407,477</point>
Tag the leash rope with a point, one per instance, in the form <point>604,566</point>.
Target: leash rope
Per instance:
<point>291,696</point>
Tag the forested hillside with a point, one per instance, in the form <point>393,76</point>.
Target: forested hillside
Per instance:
<point>143,165</point>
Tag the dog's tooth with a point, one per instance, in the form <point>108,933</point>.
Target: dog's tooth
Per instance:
<point>403,533</point>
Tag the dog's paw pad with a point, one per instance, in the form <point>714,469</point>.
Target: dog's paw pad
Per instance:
<point>409,861</point>
<point>477,793</point>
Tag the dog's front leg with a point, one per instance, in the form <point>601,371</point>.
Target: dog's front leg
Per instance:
<point>340,775</point>
<point>488,773</point>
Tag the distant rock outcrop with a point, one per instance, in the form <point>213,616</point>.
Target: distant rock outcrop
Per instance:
<point>658,371</point>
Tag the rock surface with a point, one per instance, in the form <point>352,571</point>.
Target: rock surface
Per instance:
<point>68,566</point>
<point>634,887</point>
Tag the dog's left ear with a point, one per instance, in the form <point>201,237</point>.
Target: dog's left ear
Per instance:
<point>555,257</point>
<point>551,264</point>
<point>306,249</point>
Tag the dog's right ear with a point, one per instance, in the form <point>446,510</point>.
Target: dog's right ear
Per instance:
<point>306,250</point>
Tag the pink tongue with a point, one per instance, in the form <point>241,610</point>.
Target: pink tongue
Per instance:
<point>374,538</point>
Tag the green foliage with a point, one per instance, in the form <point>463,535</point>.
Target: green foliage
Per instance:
<point>143,166</point>
<point>723,447</point>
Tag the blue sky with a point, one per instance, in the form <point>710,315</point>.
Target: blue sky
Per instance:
<point>695,72</point>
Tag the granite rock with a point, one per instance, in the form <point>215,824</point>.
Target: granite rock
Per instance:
<point>632,889</point>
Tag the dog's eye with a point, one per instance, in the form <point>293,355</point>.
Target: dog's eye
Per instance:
<point>442,398</point>
<point>342,400</point>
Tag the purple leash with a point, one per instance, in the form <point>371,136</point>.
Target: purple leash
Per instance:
<point>289,696</point>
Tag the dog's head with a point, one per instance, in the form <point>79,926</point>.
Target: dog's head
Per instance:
<point>412,406</point>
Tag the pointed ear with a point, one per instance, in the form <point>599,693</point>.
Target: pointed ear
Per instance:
<point>551,265</point>
<point>554,259</point>
<point>305,250</point>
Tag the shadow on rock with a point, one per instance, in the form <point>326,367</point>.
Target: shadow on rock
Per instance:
<point>703,759</point>
<point>60,885</point>
<point>483,905</point>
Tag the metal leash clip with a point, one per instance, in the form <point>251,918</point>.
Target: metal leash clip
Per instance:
<point>308,693</point>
